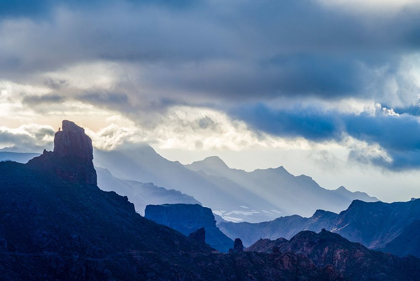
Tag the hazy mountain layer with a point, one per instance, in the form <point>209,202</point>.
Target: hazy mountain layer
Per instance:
<point>143,164</point>
<point>294,194</point>
<point>141,194</point>
<point>390,227</point>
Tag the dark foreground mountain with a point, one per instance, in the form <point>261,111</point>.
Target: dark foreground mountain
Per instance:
<point>141,194</point>
<point>390,227</point>
<point>56,224</point>
<point>353,260</point>
<point>187,218</point>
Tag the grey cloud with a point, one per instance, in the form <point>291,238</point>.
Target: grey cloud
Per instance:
<point>44,99</point>
<point>398,135</point>
<point>249,49</point>
<point>29,139</point>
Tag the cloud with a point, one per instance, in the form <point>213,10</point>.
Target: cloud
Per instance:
<point>26,138</point>
<point>213,49</point>
<point>199,74</point>
<point>33,100</point>
<point>393,139</point>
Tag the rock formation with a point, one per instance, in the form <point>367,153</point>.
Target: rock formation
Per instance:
<point>238,246</point>
<point>187,218</point>
<point>72,156</point>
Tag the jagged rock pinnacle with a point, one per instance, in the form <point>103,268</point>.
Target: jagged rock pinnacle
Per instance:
<point>72,156</point>
<point>72,141</point>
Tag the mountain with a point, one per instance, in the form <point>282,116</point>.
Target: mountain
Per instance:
<point>378,224</point>
<point>189,218</point>
<point>390,227</point>
<point>353,260</point>
<point>234,195</point>
<point>284,227</point>
<point>56,224</point>
<point>141,163</point>
<point>141,194</point>
<point>294,194</point>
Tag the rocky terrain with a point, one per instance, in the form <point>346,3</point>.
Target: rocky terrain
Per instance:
<point>187,218</point>
<point>353,260</point>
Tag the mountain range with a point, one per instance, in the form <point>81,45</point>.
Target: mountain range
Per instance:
<point>56,224</point>
<point>390,227</point>
<point>234,195</point>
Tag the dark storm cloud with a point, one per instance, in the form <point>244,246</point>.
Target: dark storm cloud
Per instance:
<point>45,99</point>
<point>222,50</point>
<point>398,135</point>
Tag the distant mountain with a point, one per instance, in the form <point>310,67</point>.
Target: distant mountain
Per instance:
<point>189,218</point>
<point>294,194</point>
<point>235,195</point>
<point>283,227</point>
<point>16,156</point>
<point>141,194</point>
<point>353,260</point>
<point>390,227</point>
<point>56,224</point>
<point>141,163</point>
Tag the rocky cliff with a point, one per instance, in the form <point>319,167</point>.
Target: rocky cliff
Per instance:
<point>187,218</point>
<point>72,156</point>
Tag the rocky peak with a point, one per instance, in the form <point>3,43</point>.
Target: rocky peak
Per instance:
<point>72,141</point>
<point>72,156</point>
<point>238,246</point>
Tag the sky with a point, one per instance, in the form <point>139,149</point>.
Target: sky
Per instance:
<point>326,88</point>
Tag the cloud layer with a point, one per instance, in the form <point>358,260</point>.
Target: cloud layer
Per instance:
<point>266,71</point>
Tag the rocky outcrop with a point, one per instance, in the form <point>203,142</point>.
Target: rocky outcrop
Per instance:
<point>72,156</point>
<point>199,235</point>
<point>187,218</point>
<point>353,260</point>
<point>238,247</point>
